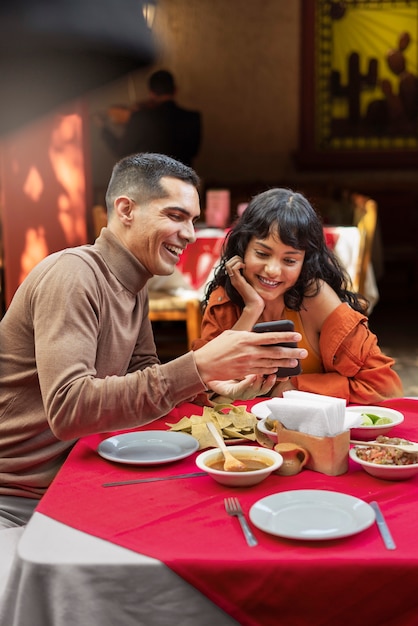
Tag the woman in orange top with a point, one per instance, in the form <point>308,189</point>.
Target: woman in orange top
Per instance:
<point>276,265</point>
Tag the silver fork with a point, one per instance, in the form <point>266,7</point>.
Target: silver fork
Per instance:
<point>233,507</point>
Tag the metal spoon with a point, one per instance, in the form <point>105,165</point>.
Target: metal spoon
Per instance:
<point>231,464</point>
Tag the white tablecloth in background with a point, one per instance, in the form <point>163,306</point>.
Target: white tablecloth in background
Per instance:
<point>346,248</point>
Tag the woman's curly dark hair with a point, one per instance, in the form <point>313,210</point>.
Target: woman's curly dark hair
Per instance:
<point>290,216</point>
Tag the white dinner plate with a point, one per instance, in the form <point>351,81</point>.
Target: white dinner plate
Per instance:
<point>261,410</point>
<point>150,447</point>
<point>311,514</point>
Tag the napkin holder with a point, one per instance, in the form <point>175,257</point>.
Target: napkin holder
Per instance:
<point>328,455</point>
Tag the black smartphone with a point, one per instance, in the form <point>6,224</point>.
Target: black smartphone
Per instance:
<point>280,326</point>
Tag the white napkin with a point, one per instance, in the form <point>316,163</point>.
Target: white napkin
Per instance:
<point>335,411</point>
<point>352,419</point>
<point>314,414</point>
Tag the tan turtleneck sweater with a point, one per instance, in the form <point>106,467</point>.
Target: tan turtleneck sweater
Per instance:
<point>77,357</point>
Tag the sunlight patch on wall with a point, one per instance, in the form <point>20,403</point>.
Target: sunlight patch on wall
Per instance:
<point>43,178</point>
<point>35,250</point>
<point>33,186</point>
<point>67,160</point>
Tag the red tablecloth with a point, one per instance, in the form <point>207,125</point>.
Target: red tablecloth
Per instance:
<point>331,236</point>
<point>198,260</point>
<point>183,523</point>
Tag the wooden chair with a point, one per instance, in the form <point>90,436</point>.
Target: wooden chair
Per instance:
<point>365,218</point>
<point>164,307</point>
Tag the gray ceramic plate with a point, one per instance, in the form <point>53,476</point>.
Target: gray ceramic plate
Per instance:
<point>150,447</point>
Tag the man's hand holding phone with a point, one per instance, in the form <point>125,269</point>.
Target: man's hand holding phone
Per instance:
<point>280,326</point>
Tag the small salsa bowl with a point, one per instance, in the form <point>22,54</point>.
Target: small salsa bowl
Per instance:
<point>262,427</point>
<point>366,433</point>
<point>385,472</point>
<point>272,460</point>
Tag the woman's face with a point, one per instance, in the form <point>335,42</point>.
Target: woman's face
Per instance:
<point>271,266</point>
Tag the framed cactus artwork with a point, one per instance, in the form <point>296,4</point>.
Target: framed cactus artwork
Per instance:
<point>359,84</point>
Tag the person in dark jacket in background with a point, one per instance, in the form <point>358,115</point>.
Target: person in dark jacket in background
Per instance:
<point>159,125</point>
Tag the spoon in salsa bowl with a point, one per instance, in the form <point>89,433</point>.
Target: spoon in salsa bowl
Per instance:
<point>231,464</point>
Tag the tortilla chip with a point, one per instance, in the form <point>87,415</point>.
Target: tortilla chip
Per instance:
<point>223,420</point>
<point>243,420</point>
<point>184,424</point>
<point>234,433</point>
<point>200,419</point>
<point>203,435</point>
<point>232,422</point>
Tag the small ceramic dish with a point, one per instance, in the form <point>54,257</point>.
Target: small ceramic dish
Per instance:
<point>272,461</point>
<point>385,472</point>
<point>370,432</point>
<point>262,427</point>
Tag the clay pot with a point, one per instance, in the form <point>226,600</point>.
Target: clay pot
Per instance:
<point>294,458</point>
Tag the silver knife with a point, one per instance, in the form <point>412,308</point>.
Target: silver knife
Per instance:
<point>153,479</point>
<point>383,527</point>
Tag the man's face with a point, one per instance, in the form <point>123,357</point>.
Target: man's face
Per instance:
<point>160,229</point>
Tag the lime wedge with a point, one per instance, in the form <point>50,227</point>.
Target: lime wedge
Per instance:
<point>371,416</point>
<point>366,421</point>
<point>383,420</point>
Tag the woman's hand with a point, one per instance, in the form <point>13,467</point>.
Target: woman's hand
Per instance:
<point>234,268</point>
<point>281,387</point>
<point>247,389</point>
<point>253,302</point>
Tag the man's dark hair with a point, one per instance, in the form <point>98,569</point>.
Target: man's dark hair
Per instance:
<point>139,177</point>
<point>162,83</point>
